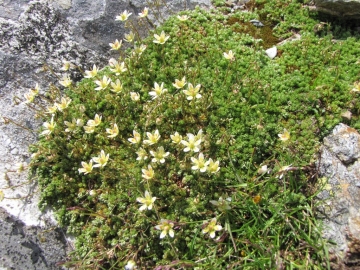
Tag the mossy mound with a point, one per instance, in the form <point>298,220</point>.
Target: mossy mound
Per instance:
<point>235,190</point>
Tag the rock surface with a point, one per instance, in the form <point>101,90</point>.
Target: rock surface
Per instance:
<point>339,165</point>
<point>34,35</point>
<point>29,247</point>
<point>347,9</point>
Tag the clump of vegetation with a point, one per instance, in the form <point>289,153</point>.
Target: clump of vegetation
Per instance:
<point>194,149</point>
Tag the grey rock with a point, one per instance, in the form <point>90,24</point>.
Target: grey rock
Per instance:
<point>29,247</point>
<point>344,143</point>
<point>339,165</point>
<point>348,9</point>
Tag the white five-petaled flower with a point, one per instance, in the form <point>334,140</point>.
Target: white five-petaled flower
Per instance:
<point>102,84</point>
<point>117,67</point>
<point>192,144</point>
<point>86,167</point>
<point>65,81</point>
<point>116,87</point>
<point>134,96</point>
<point>52,109</point>
<point>71,126</point>
<point>147,201</point>
<point>148,173</point>
<point>176,138</point>
<point>144,13</point>
<point>48,127</point>
<point>152,137</point>
<point>230,55</point>
<point>192,92</point>
<point>166,227</point>
<point>160,39</point>
<point>130,37</point>
<point>159,155</point>
<point>179,83</point>
<point>89,129</point>
<point>138,50</point>
<point>113,132</point>
<point>116,45</point>
<point>123,16</point>
<point>136,139</point>
<point>67,65</point>
<point>30,96</point>
<point>285,135</point>
<point>91,73</point>
<point>142,154</point>
<point>64,103</point>
<point>199,135</point>
<point>158,90</point>
<point>183,17</point>
<point>95,122</point>
<point>101,160</point>
<point>199,163</point>
<point>211,228</point>
<point>212,167</point>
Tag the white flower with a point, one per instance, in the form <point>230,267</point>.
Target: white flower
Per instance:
<point>113,132</point>
<point>179,84</point>
<point>142,155</point>
<point>159,155</point>
<point>211,228</point>
<point>230,55</point>
<point>102,84</point>
<point>176,138</point>
<point>48,127</point>
<point>101,160</point>
<point>158,90</point>
<point>136,139</point>
<point>130,37</point>
<point>192,144</point>
<point>183,17</point>
<point>116,45</point>
<point>117,87</point>
<point>147,201</point>
<point>192,92</point>
<point>134,96</point>
<point>199,163</point>
<point>148,173</point>
<point>65,81</point>
<point>212,167</point>
<point>123,16</point>
<point>152,138</point>
<point>91,73</point>
<point>144,13</point>
<point>166,227</point>
<point>95,122</point>
<point>160,39</point>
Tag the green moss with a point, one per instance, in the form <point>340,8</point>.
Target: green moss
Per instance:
<point>244,105</point>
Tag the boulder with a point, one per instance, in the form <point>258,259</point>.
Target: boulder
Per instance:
<point>339,169</point>
<point>346,9</point>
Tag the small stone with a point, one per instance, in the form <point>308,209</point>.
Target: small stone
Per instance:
<point>347,115</point>
<point>272,52</point>
<point>257,23</point>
